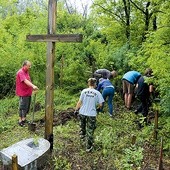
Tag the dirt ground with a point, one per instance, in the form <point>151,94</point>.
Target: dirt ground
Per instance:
<point>150,152</point>
<point>71,151</point>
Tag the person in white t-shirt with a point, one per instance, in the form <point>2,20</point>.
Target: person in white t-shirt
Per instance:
<point>90,99</point>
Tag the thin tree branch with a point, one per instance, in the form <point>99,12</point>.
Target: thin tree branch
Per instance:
<point>67,7</point>
<point>137,6</point>
<point>110,12</point>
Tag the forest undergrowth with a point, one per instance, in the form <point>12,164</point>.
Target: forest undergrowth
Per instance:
<point>120,143</point>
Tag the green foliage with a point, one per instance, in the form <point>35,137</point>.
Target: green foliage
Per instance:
<point>35,140</point>
<point>68,23</point>
<point>112,145</point>
<point>75,77</point>
<point>154,55</point>
<point>164,133</point>
<point>104,45</point>
<point>8,109</point>
<point>118,59</point>
<point>14,50</point>
<point>116,143</point>
<point>133,157</point>
<point>61,163</point>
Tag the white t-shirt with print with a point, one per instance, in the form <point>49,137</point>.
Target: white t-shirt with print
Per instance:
<point>90,98</point>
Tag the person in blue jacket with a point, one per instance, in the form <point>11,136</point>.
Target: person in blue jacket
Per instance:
<point>129,81</point>
<point>108,90</point>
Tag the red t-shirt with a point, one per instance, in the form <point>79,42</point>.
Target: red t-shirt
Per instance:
<point>21,88</point>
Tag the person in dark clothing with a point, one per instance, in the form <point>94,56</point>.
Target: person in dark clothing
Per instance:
<point>104,73</point>
<point>144,89</point>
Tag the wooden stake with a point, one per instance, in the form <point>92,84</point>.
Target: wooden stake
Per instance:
<point>156,125</point>
<point>14,162</point>
<point>160,165</point>
<point>133,139</point>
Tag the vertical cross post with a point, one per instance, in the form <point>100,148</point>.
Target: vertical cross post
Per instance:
<point>50,73</point>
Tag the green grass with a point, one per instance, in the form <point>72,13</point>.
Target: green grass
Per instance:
<point>113,147</point>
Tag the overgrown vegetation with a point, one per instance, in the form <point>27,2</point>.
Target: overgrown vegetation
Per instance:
<point>113,147</point>
<point>121,35</point>
<point>108,42</point>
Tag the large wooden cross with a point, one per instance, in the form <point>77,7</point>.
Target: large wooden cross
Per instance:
<point>51,38</point>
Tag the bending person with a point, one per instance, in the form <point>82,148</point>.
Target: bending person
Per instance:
<point>108,90</point>
<point>143,92</point>
<point>104,73</point>
<point>129,81</point>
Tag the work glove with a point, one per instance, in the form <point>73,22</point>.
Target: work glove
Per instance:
<point>98,109</point>
<point>76,112</point>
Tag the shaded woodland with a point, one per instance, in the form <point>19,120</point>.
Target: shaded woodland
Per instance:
<point>122,35</point>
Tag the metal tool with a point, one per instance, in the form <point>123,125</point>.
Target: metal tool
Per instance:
<point>32,125</point>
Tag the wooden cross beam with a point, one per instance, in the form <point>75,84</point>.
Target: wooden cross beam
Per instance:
<point>51,38</point>
<point>55,38</point>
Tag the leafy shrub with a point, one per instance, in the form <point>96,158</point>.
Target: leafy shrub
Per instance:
<point>132,158</point>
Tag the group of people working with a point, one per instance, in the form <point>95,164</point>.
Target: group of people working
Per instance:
<point>141,86</point>
<point>92,99</point>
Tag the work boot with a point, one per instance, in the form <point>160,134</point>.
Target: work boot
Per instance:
<point>89,148</point>
<point>21,124</point>
<point>82,135</point>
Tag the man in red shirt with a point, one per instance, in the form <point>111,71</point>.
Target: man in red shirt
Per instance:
<point>24,88</point>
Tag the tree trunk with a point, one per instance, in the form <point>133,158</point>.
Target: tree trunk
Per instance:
<point>154,23</point>
<point>127,16</point>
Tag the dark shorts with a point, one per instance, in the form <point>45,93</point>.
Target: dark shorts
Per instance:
<point>24,105</point>
<point>127,87</point>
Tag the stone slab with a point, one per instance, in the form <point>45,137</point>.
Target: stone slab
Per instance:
<point>28,151</point>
